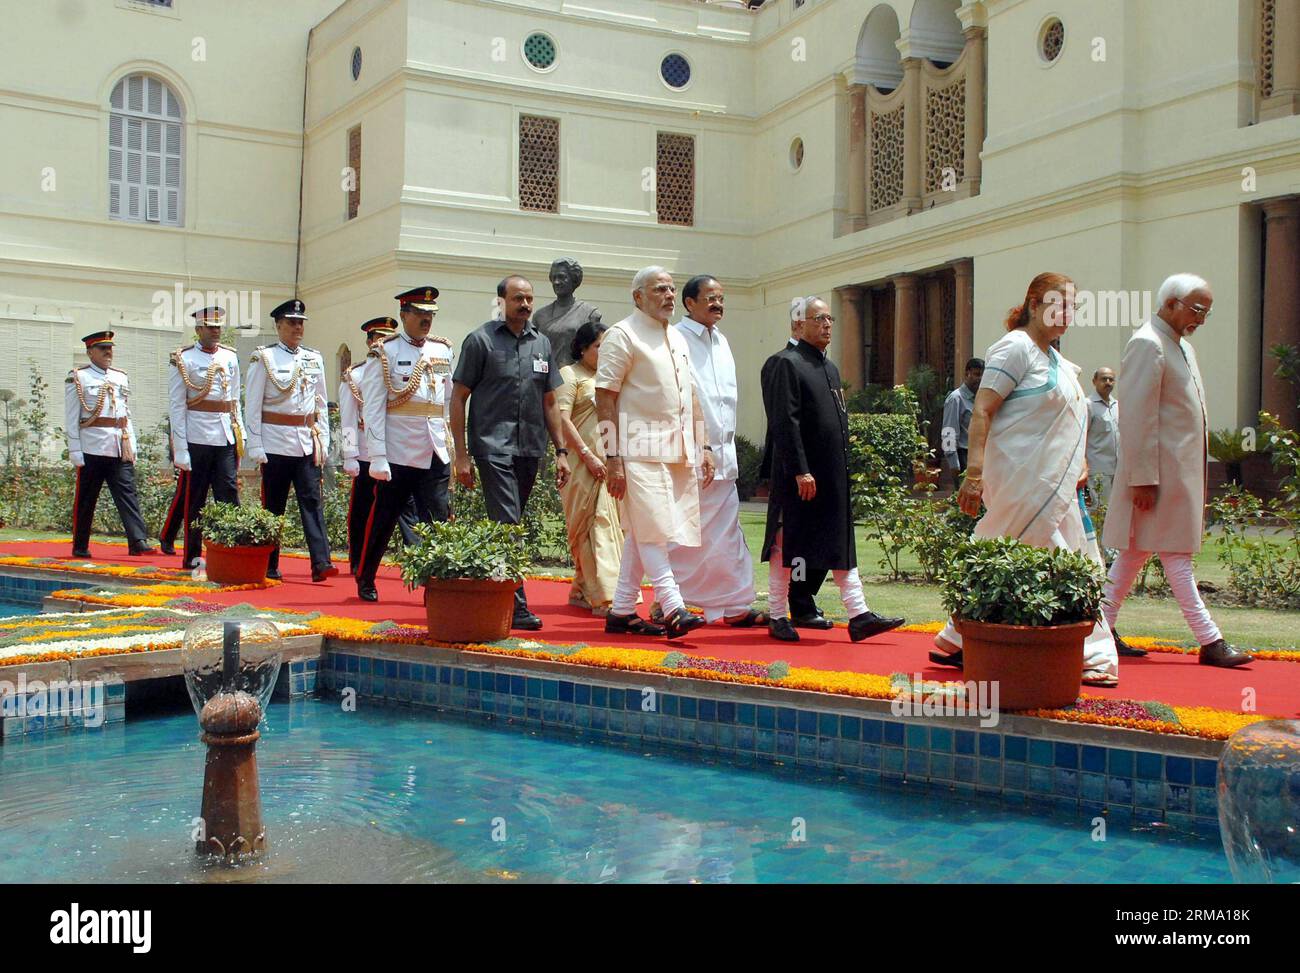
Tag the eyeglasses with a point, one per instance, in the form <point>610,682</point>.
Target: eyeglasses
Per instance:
<point>1199,310</point>
<point>823,319</point>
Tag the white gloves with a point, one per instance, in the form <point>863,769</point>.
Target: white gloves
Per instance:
<point>182,461</point>
<point>379,468</point>
<point>257,454</point>
<point>351,467</point>
<point>78,457</point>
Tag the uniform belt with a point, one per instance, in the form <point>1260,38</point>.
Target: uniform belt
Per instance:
<point>105,423</point>
<point>284,419</point>
<point>211,405</point>
<point>427,409</point>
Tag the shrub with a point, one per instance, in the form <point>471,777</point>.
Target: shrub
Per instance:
<point>940,529</point>
<point>544,535</point>
<point>474,549</point>
<point>748,459</point>
<point>232,525</point>
<point>882,399</point>
<point>1007,582</point>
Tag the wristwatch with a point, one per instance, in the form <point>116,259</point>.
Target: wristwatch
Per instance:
<point>561,451</point>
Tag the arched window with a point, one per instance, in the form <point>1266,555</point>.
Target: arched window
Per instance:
<point>144,152</point>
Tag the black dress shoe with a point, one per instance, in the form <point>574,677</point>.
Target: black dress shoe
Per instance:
<point>142,551</point>
<point>812,621</point>
<point>367,592</point>
<point>680,622</point>
<point>321,574</point>
<point>632,624</point>
<point>77,553</point>
<point>782,630</point>
<point>1220,653</point>
<point>1123,648</point>
<point>527,622</point>
<point>273,574</point>
<point>168,549</point>
<point>953,659</point>
<point>867,624</point>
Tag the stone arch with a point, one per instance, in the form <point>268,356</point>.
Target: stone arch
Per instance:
<point>877,60</point>
<point>934,31</point>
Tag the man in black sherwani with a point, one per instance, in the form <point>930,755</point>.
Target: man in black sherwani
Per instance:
<point>804,612</point>
<point>809,510</point>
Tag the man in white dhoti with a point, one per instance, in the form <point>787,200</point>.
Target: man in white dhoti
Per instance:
<point>1158,498</point>
<point>1026,459</point>
<point>718,575</point>
<point>648,418</point>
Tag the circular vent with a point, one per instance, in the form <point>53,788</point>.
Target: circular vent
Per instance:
<point>356,63</point>
<point>796,154</point>
<point>675,70</point>
<point>1053,39</point>
<point>539,51</point>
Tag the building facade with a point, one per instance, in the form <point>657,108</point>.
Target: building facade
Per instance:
<point>916,161</point>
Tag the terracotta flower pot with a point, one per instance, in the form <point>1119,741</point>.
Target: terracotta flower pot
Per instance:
<point>469,610</point>
<point>927,474</point>
<point>236,565</point>
<point>1035,667</point>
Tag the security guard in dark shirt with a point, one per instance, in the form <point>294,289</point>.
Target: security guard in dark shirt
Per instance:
<point>508,368</point>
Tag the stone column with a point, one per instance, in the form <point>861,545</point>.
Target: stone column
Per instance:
<point>1281,324</point>
<point>964,272</point>
<point>857,157</point>
<point>976,40</point>
<point>905,326</point>
<point>912,122</point>
<point>848,322</point>
<point>1285,99</point>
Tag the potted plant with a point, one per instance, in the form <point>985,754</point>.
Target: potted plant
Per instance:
<point>238,541</point>
<point>1023,613</point>
<point>470,570</point>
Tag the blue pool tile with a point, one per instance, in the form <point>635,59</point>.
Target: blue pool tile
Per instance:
<point>1015,776</point>
<point>1120,763</point>
<point>566,691</point>
<point>766,716</point>
<point>726,711</point>
<point>893,733</point>
<point>918,737</point>
<point>964,742</point>
<point>872,731</point>
<point>686,706</point>
<point>828,725</point>
<point>390,668</point>
<point>1041,753</point>
<point>599,696</point>
<point>550,689</point>
<point>1148,793</point>
<point>1206,773</point>
<point>599,717</point>
<point>1205,801</point>
<point>1067,756</point>
<point>1065,782</point>
<point>806,721</point>
<point>1119,815</point>
<point>1178,770</point>
<point>941,739</point>
<point>615,698</point>
<point>785,719</point>
<point>828,749</point>
<point>1148,765</point>
<point>848,753</point>
<point>850,728</point>
<point>1017,748</point>
<point>1092,759</point>
<point>1178,798</point>
<point>918,763</point>
<point>990,773</point>
<point>550,711</point>
<point>990,745</point>
<point>765,741</point>
<point>806,746</point>
<point>581,694</point>
<point>637,700</point>
<point>869,758</point>
<point>963,768</point>
<point>1092,787</point>
<point>366,665</point>
<point>726,735</point>
<point>891,760</point>
<point>518,686</point>
<point>705,733</point>
<point>1040,780</point>
<point>668,704</point>
<point>941,766</point>
<point>745,737</point>
<point>745,714</point>
<point>708,710</point>
<point>785,743</point>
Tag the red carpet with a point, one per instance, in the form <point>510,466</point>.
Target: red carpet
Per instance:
<point>1174,679</point>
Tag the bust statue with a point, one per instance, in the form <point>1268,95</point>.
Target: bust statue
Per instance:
<point>561,319</point>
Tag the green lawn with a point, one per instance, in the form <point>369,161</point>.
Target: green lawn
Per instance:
<point>1248,627</point>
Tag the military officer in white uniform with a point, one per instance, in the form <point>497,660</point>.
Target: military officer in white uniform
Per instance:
<point>101,444</point>
<point>356,455</point>
<point>207,423</point>
<point>288,430</point>
<point>406,388</point>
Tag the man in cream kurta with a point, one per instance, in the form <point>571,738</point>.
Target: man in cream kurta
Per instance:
<point>718,575</point>
<point>1158,498</point>
<point>648,415</point>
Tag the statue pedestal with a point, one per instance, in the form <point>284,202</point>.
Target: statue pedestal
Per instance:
<point>232,801</point>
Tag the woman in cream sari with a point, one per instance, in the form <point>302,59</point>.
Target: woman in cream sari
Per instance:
<point>1026,458</point>
<point>590,513</point>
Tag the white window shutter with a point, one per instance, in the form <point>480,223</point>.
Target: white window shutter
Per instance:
<point>145,151</point>
<point>152,210</point>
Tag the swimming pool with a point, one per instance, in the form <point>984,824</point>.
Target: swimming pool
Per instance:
<point>401,795</point>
